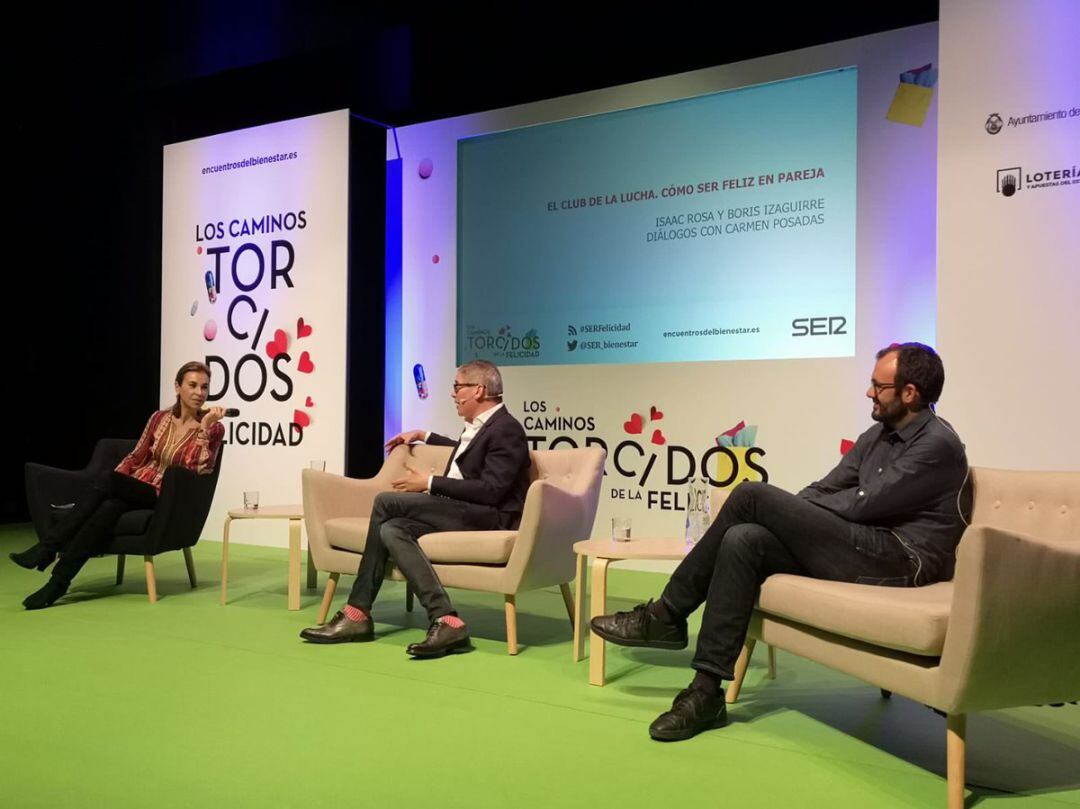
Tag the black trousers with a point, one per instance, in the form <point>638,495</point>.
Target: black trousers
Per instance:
<point>763,530</point>
<point>398,520</point>
<point>87,528</point>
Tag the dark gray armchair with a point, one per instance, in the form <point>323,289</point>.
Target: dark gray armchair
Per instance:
<point>173,525</point>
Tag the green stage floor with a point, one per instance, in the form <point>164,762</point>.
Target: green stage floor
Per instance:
<point>111,701</point>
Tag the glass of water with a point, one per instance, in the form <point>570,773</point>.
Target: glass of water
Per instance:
<point>620,529</point>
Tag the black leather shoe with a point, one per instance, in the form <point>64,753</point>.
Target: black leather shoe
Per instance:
<point>442,639</point>
<point>38,557</point>
<point>692,712</point>
<point>54,588</point>
<point>640,628</point>
<point>341,629</point>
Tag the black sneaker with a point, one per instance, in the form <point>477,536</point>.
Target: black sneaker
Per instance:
<point>693,711</point>
<point>639,627</point>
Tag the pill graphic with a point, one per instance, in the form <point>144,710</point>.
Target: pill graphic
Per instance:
<point>421,381</point>
<point>210,292</point>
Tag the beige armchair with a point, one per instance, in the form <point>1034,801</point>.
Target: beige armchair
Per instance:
<point>1005,632</point>
<point>559,510</point>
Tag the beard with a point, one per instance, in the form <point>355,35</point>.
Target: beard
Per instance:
<point>888,414</point>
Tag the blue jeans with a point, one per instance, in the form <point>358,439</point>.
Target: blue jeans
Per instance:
<point>763,530</point>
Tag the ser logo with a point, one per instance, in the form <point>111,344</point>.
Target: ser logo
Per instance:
<point>818,326</point>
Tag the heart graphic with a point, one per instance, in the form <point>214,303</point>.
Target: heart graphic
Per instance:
<point>309,403</point>
<point>635,425</point>
<point>305,366</point>
<point>846,446</point>
<point>300,418</point>
<point>658,438</point>
<point>654,414</point>
<point>302,329</point>
<point>279,345</point>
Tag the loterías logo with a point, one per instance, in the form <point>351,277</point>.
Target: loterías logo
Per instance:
<point>994,123</point>
<point>1011,180</point>
<point>1008,181</point>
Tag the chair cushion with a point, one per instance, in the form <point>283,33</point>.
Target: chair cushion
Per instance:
<point>908,619</point>
<point>347,533</point>
<point>444,547</point>
<point>133,523</point>
<point>468,547</point>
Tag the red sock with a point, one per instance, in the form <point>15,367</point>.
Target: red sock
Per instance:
<point>452,621</point>
<point>355,613</point>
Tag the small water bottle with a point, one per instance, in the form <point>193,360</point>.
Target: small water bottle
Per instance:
<point>696,517</point>
<point>706,509</point>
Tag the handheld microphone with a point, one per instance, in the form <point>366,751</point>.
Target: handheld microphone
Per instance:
<point>232,412</point>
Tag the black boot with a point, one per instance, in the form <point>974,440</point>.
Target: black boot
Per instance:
<point>54,588</point>
<point>39,556</point>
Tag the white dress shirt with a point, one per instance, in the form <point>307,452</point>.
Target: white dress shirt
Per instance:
<point>467,436</point>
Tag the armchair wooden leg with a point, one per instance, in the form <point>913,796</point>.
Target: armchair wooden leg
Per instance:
<point>511,624</point>
<point>312,571</point>
<point>328,597</point>
<point>225,562</point>
<point>772,663</point>
<point>151,579</point>
<point>568,600</point>
<point>955,743</point>
<point>408,598</point>
<point>740,671</point>
<point>580,626</point>
<point>190,567</point>
<point>120,569</point>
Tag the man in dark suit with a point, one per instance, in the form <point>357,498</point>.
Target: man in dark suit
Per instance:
<point>483,488</point>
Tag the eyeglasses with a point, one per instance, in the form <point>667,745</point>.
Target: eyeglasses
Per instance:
<point>459,385</point>
<point>880,386</point>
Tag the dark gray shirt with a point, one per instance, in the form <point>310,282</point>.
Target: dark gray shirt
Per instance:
<point>907,482</point>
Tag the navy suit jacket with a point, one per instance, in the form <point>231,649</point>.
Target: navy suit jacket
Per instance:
<point>495,467</point>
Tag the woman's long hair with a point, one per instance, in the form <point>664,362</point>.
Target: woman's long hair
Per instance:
<point>187,368</point>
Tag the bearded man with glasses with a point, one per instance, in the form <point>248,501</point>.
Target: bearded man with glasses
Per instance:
<point>483,488</point>
<point>890,513</point>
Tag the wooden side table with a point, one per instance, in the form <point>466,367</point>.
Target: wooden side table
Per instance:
<point>603,552</point>
<point>294,514</point>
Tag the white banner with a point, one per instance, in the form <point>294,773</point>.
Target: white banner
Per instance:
<point>254,282</point>
<point>782,420</point>
<point>1009,251</point>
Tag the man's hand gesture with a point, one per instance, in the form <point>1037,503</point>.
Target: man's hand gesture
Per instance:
<point>410,437</point>
<point>412,481</point>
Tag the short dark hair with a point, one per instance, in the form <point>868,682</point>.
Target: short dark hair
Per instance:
<point>919,365</point>
<point>485,373</point>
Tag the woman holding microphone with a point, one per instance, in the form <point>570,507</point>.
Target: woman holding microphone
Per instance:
<point>184,435</point>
